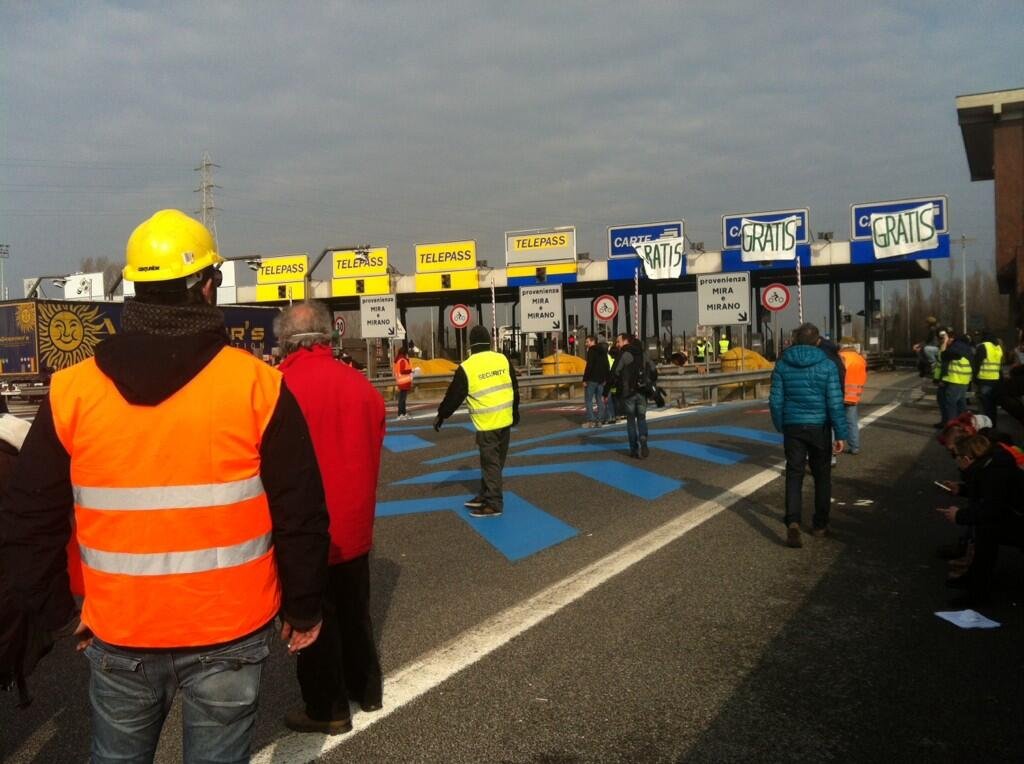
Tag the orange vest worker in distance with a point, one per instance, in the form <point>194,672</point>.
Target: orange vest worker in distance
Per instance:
<point>856,375</point>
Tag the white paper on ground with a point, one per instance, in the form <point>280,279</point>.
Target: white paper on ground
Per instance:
<point>967,619</point>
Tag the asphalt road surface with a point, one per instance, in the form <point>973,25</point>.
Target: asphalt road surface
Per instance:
<point>647,611</point>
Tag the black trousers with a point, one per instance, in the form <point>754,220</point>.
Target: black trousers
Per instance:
<point>342,664</point>
<point>493,445</point>
<point>803,444</point>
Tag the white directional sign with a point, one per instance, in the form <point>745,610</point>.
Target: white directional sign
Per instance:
<point>606,307</point>
<point>459,316</point>
<point>723,299</point>
<point>377,315</point>
<point>541,308</point>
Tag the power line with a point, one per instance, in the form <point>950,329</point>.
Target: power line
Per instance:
<point>205,190</point>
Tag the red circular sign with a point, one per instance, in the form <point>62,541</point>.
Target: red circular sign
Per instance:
<point>775,296</point>
<point>606,307</point>
<point>459,316</point>
<point>339,325</point>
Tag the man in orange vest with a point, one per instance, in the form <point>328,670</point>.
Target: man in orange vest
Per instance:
<point>199,511</point>
<point>402,369</point>
<point>855,380</point>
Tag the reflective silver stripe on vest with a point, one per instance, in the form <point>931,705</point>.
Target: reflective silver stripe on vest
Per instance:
<point>169,496</point>
<point>489,390</point>
<point>170,563</point>
<point>491,409</point>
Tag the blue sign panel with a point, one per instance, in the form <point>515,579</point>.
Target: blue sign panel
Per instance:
<point>863,252</point>
<point>732,261</point>
<point>731,225</point>
<point>860,214</point>
<point>622,239</point>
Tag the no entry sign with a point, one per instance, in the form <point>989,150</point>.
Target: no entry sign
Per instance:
<point>606,307</point>
<point>775,297</point>
<point>459,316</point>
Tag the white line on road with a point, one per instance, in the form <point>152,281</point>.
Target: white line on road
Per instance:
<point>423,675</point>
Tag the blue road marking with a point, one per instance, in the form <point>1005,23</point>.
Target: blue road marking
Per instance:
<point>421,427</point>
<point>681,447</point>
<point>640,483</point>
<point>400,443</point>
<point>746,433</point>
<point>522,529</point>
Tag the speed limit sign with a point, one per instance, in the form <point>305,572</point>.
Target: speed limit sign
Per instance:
<point>606,307</point>
<point>775,296</point>
<point>459,316</point>
<point>339,325</point>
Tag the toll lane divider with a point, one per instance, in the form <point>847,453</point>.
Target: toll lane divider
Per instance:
<point>633,480</point>
<point>522,530</point>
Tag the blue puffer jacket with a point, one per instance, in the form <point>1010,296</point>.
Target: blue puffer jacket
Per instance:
<point>806,390</point>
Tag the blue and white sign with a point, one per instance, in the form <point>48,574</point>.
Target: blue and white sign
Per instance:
<point>732,225</point>
<point>623,239</point>
<point>860,214</point>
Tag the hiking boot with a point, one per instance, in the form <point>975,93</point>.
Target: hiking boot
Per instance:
<point>299,721</point>
<point>474,503</point>
<point>634,454</point>
<point>644,450</point>
<point>369,706</point>
<point>820,533</point>
<point>793,538</point>
<point>485,510</point>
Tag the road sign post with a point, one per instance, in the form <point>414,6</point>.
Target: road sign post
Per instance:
<point>377,316</point>
<point>723,299</point>
<point>458,316</point>
<point>606,307</point>
<point>775,297</point>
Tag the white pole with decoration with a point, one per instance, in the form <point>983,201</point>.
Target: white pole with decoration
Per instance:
<point>494,318</point>
<point>636,302</point>
<point>799,292</point>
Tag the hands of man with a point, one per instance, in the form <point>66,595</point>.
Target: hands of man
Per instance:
<point>438,422</point>
<point>82,635</point>
<point>949,513</point>
<point>952,486</point>
<point>838,447</point>
<point>298,640</point>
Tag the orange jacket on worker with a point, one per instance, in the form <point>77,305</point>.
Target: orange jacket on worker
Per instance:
<point>175,551</point>
<point>856,375</point>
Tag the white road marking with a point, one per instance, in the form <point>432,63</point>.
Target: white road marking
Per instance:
<point>30,749</point>
<point>436,667</point>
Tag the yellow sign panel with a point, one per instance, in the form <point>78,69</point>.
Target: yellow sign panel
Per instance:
<point>542,246</point>
<point>356,287</point>
<point>279,292</point>
<point>529,271</point>
<point>279,270</point>
<point>447,282</point>
<point>359,262</point>
<point>446,256</point>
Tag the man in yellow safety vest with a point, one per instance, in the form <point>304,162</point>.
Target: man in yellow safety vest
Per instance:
<point>988,362</point>
<point>723,346</point>
<point>486,381</point>
<point>954,374</point>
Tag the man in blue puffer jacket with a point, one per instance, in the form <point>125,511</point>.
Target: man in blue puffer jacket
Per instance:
<point>807,408</point>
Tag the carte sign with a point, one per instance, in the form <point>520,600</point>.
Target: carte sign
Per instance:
<point>664,258</point>
<point>775,297</point>
<point>281,270</point>
<point>622,240</point>
<point>377,316</point>
<point>541,308</point>
<point>551,245</point>
<point>900,227</point>
<point>606,307</point>
<point>359,262</point>
<point>446,256</point>
<point>723,299</point>
<point>459,316</point>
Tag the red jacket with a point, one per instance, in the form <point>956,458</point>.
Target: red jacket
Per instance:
<point>345,415</point>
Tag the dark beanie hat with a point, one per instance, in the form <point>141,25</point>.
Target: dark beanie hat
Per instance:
<point>479,335</point>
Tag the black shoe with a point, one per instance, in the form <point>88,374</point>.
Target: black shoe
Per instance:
<point>299,721</point>
<point>369,706</point>
<point>644,450</point>
<point>474,503</point>
<point>634,455</point>
<point>485,510</point>
<point>793,538</point>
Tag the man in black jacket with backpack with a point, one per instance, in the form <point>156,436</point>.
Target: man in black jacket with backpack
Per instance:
<point>634,376</point>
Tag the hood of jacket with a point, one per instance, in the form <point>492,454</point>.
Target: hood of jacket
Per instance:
<point>960,347</point>
<point>803,356</point>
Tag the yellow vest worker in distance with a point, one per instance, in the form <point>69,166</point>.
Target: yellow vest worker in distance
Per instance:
<point>988,365</point>
<point>198,510</point>
<point>487,382</point>
<point>855,379</point>
<point>723,346</point>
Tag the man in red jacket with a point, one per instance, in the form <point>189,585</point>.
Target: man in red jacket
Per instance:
<point>345,415</point>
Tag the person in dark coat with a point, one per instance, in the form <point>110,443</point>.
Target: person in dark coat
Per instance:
<point>806,403</point>
<point>595,375</point>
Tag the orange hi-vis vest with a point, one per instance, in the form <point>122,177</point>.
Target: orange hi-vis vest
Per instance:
<point>856,375</point>
<point>172,521</point>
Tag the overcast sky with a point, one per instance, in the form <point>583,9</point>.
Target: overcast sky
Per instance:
<point>396,123</point>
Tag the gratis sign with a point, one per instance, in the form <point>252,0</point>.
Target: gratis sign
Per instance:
<point>766,236</point>
<point>723,299</point>
<point>900,227</point>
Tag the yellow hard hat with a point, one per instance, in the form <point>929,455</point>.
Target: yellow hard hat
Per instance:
<point>170,245</point>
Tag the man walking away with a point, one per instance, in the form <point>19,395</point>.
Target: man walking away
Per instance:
<point>988,363</point>
<point>198,509</point>
<point>633,375</point>
<point>856,377</point>
<point>806,404</point>
<point>345,415</point>
<point>594,377</point>
<point>955,373</point>
<point>487,382</point>
<point>402,369</point>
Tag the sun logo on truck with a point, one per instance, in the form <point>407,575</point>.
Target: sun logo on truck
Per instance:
<point>26,317</point>
<point>68,333</point>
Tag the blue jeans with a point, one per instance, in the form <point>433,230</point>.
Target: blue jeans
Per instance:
<point>591,392</point>
<point>402,396</point>
<point>131,693</point>
<point>853,427</point>
<point>636,419</point>
<point>610,408</point>
<point>987,399</point>
<point>952,400</point>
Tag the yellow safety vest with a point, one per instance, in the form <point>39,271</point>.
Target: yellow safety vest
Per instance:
<point>723,346</point>
<point>490,399</point>
<point>701,349</point>
<point>993,361</point>
<point>959,372</point>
